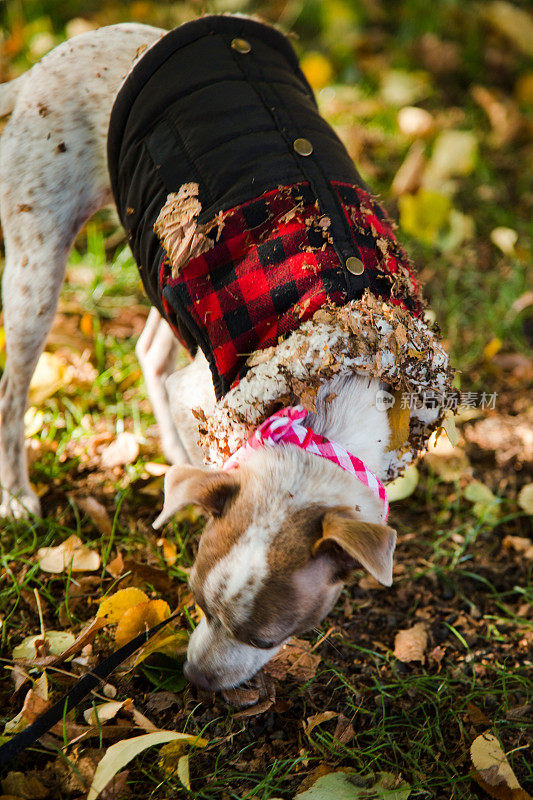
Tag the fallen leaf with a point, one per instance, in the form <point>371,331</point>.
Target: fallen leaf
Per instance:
<point>317,69</point>
<point>317,719</point>
<point>399,419</point>
<point>103,712</point>
<point>140,618</point>
<point>454,154</point>
<point>124,450</point>
<point>448,462</point>
<point>415,122</point>
<point>404,486</point>
<point>520,544</point>
<point>48,377</point>
<point>85,637</point>
<point>294,658</point>
<point>344,731</point>
<point>23,785</point>
<point>121,753</point>
<point>408,178</point>
<point>115,567</point>
<point>515,23</point>
<point>70,556</point>
<point>55,642</point>
<point>114,607</point>
<point>401,88</point>
<point>492,770</point>
<point>170,551</point>
<point>350,786</point>
<point>98,514</point>
<point>424,214</point>
<point>241,696</point>
<point>410,644</point>
<point>486,504</point>
<point>525,498</point>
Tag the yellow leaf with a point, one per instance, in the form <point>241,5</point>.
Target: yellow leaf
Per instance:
<point>492,769</point>
<point>317,69</point>
<point>493,347</point>
<point>170,551</point>
<point>449,428</point>
<point>399,419</point>
<point>115,606</point>
<point>424,214</point>
<point>86,324</point>
<point>172,645</point>
<point>102,713</point>
<point>121,753</point>
<point>140,618</point>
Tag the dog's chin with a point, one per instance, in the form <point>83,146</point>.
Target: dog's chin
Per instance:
<point>216,660</point>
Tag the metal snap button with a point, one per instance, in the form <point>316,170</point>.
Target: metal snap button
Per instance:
<point>303,147</point>
<point>355,265</point>
<point>241,45</point>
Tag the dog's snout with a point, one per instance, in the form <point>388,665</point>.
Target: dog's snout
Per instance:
<point>204,680</point>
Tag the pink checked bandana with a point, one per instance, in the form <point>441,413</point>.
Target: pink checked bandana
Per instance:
<point>283,428</point>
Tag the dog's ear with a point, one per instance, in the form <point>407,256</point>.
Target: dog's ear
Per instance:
<point>369,543</point>
<point>186,485</point>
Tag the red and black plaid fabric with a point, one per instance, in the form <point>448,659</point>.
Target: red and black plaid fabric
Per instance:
<point>274,266</point>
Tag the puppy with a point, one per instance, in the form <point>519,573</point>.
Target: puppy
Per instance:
<point>264,253</point>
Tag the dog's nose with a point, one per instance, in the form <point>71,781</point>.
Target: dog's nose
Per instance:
<point>203,680</point>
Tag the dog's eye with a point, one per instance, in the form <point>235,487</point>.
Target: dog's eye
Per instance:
<point>261,644</point>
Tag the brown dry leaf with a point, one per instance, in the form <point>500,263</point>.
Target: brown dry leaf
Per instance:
<point>519,544</point>
<point>71,555</point>
<point>509,437</point>
<point>115,567</point>
<point>18,785</point>
<point>503,114</point>
<point>241,696</point>
<point>318,719</point>
<point>344,731</point>
<point>410,644</point>
<point>123,450</point>
<point>492,770</point>
<point>294,658</point>
<point>97,512</point>
<point>140,618</point>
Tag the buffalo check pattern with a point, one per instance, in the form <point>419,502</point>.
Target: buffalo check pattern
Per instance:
<point>272,267</point>
<point>284,428</point>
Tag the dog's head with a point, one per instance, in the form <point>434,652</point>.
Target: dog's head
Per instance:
<point>279,542</point>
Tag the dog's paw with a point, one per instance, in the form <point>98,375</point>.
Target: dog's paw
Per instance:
<point>21,507</point>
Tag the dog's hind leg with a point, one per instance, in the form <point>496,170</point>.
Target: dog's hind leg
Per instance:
<point>157,350</point>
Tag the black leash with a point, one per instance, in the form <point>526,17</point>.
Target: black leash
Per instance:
<point>33,733</point>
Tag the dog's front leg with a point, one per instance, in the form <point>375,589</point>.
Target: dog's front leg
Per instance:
<point>157,350</point>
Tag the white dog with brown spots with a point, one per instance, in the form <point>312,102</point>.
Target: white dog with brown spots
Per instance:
<point>284,528</point>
